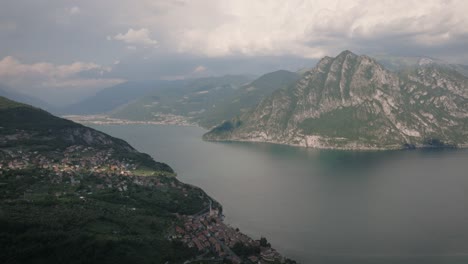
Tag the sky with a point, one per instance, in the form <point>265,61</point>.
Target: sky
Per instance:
<point>63,50</point>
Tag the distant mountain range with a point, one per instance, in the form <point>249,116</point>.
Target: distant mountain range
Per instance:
<point>110,98</point>
<point>23,98</point>
<point>206,101</point>
<point>353,102</point>
<point>399,63</point>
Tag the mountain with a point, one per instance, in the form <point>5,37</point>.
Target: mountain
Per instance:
<point>23,98</point>
<point>110,98</point>
<point>207,101</point>
<point>189,99</point>
<point>246,97</point>
<point>401,63</point>
<point>353,102</point>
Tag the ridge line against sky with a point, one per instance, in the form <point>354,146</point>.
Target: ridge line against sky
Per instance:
<point>75,48</point>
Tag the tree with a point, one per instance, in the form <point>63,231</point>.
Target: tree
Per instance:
<point>264,242</point>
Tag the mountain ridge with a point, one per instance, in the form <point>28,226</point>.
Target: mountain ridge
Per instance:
<point>205,101</point>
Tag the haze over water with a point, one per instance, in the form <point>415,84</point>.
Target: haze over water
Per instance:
<point>320,206</point>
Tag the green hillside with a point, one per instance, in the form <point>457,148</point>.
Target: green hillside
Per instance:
<point>71,194</point>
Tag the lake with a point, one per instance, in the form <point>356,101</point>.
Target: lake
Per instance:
<point>318,206</point>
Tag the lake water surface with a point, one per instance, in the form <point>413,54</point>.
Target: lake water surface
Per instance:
<point>320,206</point>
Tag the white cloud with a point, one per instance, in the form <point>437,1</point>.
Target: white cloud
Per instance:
<point>297,27</point>
<point>230,30</point>
<point>42,78</point>
<point>137,37</point>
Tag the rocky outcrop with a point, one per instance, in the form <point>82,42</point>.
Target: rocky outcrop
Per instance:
<point>352,102</point>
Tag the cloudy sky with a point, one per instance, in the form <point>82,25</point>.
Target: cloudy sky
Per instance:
<point>73,48</point>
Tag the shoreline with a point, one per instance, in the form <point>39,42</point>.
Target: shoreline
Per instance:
<point>174,120</point>
<point>107,120</point>
<point>357,149</point>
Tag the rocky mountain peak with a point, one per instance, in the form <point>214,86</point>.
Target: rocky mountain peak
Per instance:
<point>353,102</point>
<point>346,53</point>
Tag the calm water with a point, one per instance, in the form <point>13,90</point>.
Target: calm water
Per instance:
<point>326,206</point>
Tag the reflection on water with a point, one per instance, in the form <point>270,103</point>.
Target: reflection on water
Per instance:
<point>324,206</point>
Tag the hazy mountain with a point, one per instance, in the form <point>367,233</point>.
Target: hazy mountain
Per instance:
<point>23,98</point>
<point>188,98</point>
<point>208,101</point>
<point>353,102</point>
<point>115,96</point>
<point>399,63</point>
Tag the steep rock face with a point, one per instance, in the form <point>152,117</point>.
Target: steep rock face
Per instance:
<point>352,102</point>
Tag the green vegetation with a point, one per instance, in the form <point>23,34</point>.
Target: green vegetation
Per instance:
<point>42,221</point>
<point>6,103</point>
<point>227,126</point>
<point>339,123</point>
<point>264,242</point>
<point>349,123</point>
<point>244,251</point>
<point>14,115</point>
<point>71,194</point>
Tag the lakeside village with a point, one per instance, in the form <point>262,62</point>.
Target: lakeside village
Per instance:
<point>212,237</point>
<point>205,231</point>
<point>159,119</point>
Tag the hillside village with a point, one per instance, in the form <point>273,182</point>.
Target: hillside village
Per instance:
<point>86,173</point>
<point>209,234</point>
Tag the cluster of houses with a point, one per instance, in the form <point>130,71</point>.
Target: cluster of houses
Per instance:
<point>208,234</point>
<point>76,162</point>
<point>69,165</point>
<point>74,158</point>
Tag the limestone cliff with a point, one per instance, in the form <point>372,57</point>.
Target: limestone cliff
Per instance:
<point>353,102</point>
